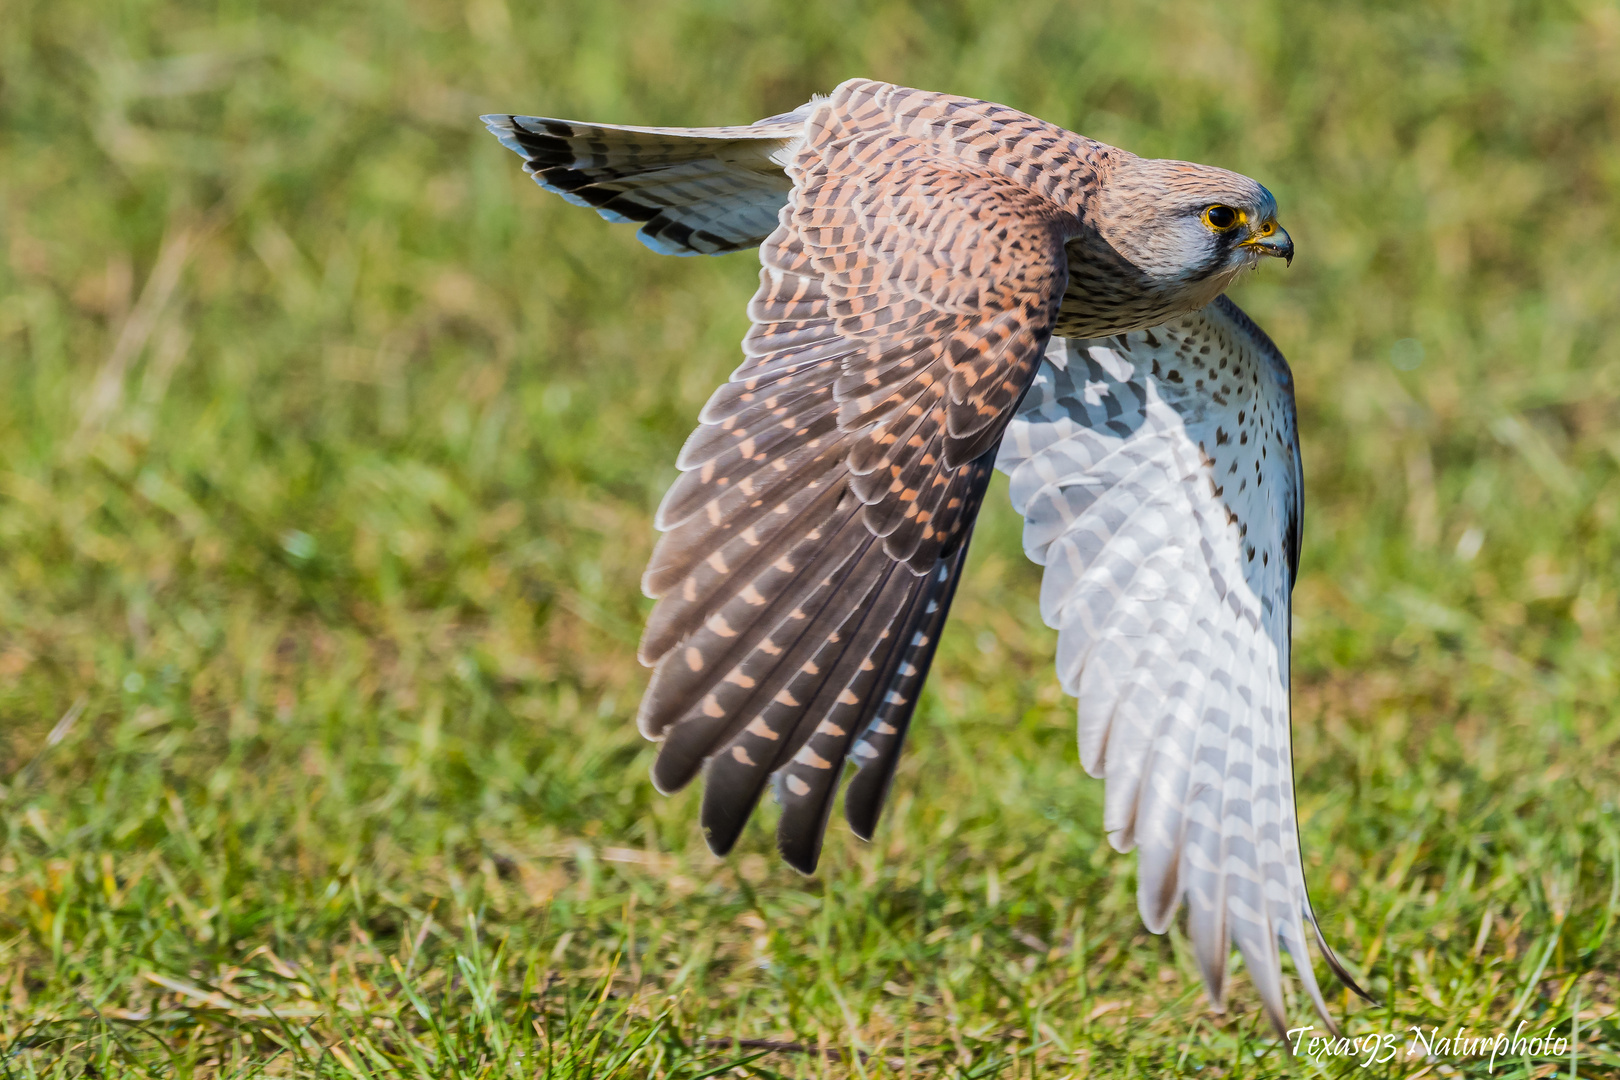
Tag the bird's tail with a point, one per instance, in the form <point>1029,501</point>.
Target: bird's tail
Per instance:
<point>699,191</point>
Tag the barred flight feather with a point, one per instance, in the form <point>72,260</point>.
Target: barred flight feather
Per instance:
<point>1168,583</point>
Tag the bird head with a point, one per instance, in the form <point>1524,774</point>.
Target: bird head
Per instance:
<point>1186,225</point>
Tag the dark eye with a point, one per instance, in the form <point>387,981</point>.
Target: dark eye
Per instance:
<point>1220,218</point>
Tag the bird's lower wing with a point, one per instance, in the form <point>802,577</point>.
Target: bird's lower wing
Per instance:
<point>1158,475</point>
<point>815,535</point>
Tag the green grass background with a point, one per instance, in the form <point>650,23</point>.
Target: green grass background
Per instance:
<point>328,451</point>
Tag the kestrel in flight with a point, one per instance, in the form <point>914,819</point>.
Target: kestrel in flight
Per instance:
<point>951,286</point>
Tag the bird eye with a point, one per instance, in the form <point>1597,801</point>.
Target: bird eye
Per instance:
<point>1220,218</point>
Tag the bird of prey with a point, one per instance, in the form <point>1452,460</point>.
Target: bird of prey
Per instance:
<point>950,286</point>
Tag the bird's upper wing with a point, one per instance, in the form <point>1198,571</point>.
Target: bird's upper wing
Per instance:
<point>814,537</point>
<point>699,191</point>
<point>1159,478</point>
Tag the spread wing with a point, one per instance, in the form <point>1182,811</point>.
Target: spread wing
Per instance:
<point>1159,478</point>
<point>699,190</point>
<point>815,535</point>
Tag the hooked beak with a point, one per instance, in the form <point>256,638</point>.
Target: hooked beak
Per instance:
<point>1269,238</point>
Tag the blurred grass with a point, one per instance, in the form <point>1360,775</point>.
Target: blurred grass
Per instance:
<point>327,459</point>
